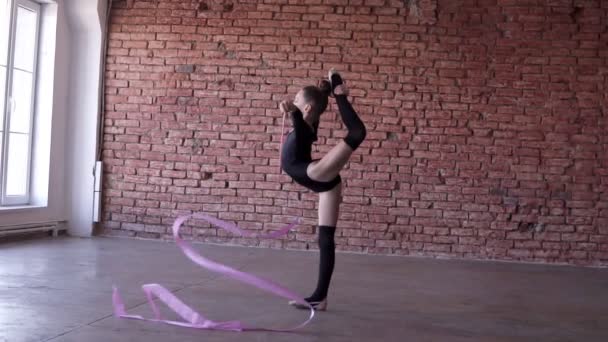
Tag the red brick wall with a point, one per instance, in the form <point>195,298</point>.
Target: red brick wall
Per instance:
<point>487,122</point>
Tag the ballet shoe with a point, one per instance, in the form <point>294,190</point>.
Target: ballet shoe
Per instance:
<point>335,79</point>
<point>317,305</point>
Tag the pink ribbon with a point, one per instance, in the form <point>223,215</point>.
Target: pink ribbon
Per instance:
<point>192,318</point>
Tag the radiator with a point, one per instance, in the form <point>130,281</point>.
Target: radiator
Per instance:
<point>53,227</point>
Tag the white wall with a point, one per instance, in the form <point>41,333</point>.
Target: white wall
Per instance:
<point>75,117</point>
<point>83,101</point>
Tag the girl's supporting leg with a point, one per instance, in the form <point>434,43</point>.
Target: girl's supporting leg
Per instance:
<point>329,204</point>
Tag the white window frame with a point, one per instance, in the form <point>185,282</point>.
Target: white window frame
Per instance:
<point>6,200</point>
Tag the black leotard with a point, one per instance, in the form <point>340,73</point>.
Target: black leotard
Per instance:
<point>297,154</point>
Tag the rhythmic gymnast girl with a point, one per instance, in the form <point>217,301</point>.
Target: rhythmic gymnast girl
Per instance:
<point>320,175</point>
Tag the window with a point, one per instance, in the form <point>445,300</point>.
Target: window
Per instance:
<point>19,31</point>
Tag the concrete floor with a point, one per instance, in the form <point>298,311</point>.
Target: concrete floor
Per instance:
<point>60,290</point>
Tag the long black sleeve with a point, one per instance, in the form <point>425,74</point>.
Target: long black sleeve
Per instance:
<point>298,144</point>
<point>299,125</point>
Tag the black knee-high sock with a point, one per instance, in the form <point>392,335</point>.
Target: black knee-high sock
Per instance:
<point>356,128</point>
<point>327,251</point>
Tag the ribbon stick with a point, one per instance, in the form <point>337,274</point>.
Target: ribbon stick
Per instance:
<point>192,318</point>
<point>281,143</point>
